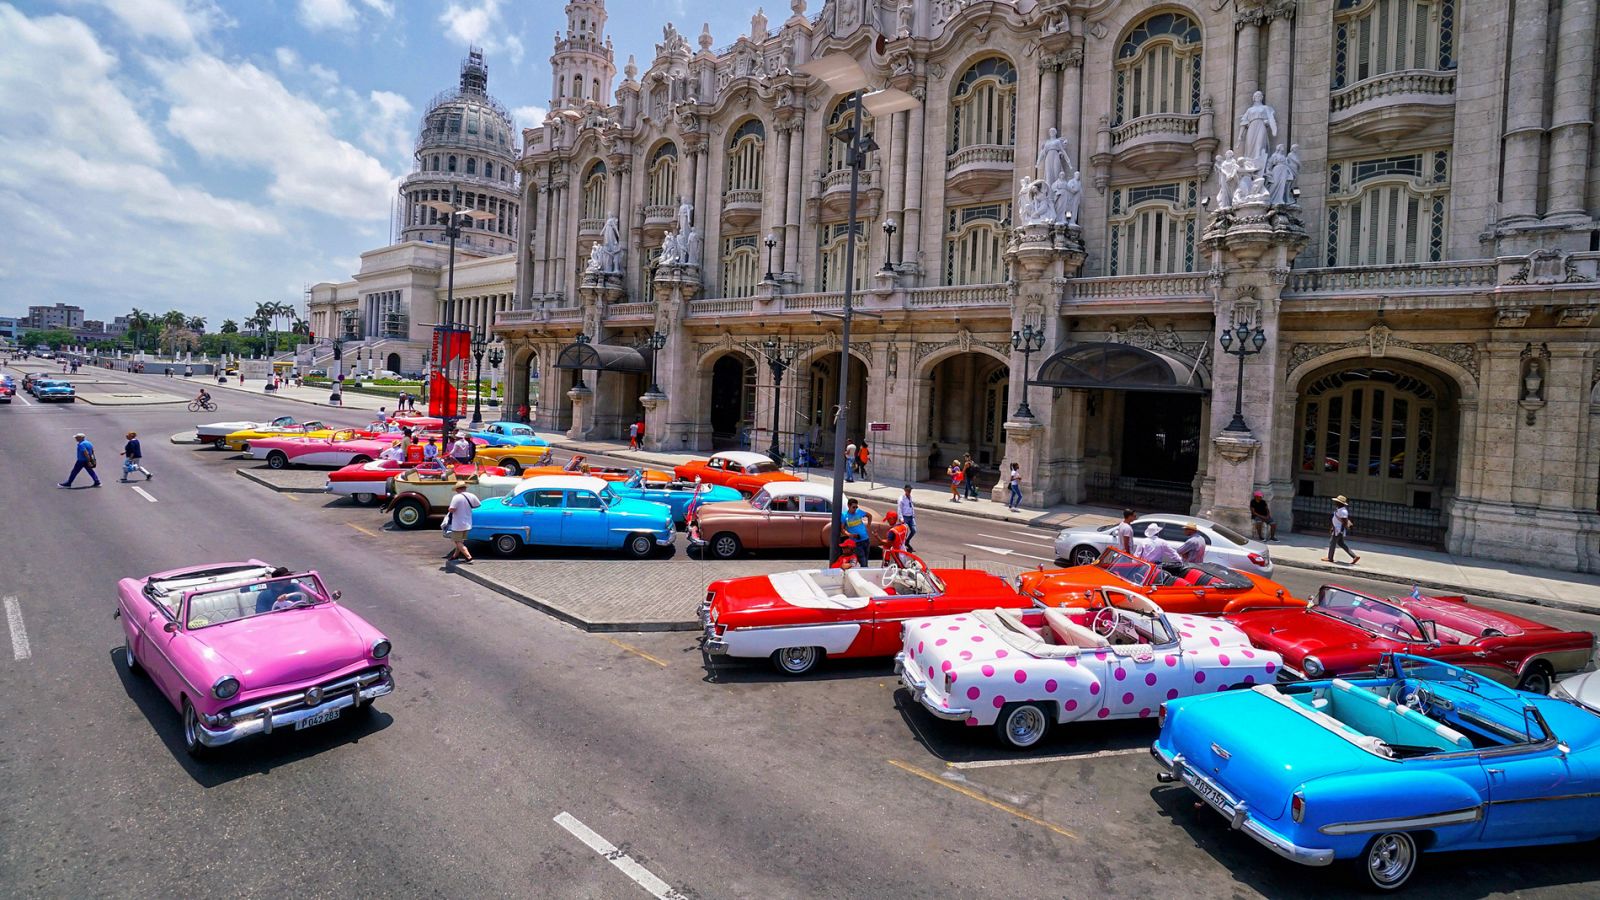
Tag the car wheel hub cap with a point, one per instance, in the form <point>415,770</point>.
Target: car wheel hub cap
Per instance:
<point>1025,726</point>
<point>1391,859</point>
<point>797,657</point>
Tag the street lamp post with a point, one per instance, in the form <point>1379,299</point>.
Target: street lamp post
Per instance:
<point>479,345</point>
<point>1027,341</point>
<point>843,74</point>
<point>771,241</point>
<point>889,228</point>
<point>780,357</point>
<point>656,341</point>
<point>1250,343</point>
<point>496,357</point>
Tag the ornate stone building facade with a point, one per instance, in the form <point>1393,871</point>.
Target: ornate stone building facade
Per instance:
<point>1388,205</point>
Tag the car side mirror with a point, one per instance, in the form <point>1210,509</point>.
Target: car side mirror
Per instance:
<point>170,627</point>
<point>337,594</point>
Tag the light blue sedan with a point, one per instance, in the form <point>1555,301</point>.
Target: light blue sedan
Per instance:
<point>508,434</point>
<point>571,511</point>
<point>677,495</point>
<point>1425,756</point>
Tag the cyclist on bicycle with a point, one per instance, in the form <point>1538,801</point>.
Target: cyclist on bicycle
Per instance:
<point>204,399</point>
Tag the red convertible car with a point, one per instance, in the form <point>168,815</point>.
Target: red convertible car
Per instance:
<point>1345,631</point>
<point>797,618</point>
<point>741,470</point>
<point>368,482</point>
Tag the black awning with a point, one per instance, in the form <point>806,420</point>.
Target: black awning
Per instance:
<point>602,358</point>
<point>1121,367</point>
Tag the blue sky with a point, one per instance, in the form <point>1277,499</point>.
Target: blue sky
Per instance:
<point>205,155</point>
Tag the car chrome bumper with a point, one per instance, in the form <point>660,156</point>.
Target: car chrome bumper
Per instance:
<point>259,718</point>
<point>918,686</point>
<point>710,642</point>
<point>1236,811</point>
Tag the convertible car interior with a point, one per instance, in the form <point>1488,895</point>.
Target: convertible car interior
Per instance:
<point>1202,575</point>
<point>1058,633</point>
<point>1401,719</point>
<point>851,588</point>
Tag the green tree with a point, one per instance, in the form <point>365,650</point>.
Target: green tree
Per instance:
<point>229,326</point>
<point>54,338</point>
<point>139,323</point>
<point>196,323</point>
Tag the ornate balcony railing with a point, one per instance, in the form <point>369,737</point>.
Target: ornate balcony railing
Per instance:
<point>643,310</point>
<point>1444,276</point>
<point>809,302</point>
<point>839,180</point>
<point>516,317</point>
<point>659,213</point>
<point>725,306</point>
<point>565,313</point>
<point>980,154</point>
<point>591,226</point>
<point>730,198</point>
<point>965,295</point>
<point>1392,84</point>
<point>1165,125</point>
<point>1140,287</point>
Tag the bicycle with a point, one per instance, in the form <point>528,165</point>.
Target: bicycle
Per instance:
<point>197,406</point>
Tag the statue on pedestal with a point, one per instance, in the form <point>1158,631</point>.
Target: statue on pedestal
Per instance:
<point>1257,127</point>
<point>1066,195</point>
<point>690,244</point>
<point>1053,160</point>
<point>685,215</point>
<point>1033,198</point>
<point>1228,171</point>
<point>671,250</point>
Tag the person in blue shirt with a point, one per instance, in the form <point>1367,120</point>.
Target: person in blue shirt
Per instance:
<point>856,520</point>
<point>85,462</point>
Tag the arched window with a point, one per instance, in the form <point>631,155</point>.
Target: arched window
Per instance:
<point>835,155</point>
<point>983,107</point>
<point>1152,229</point>
<point>597,90</point>
<point>1374,37</point>
<point>594,191</point>
<point>741,266</point>
<point>833,257</point>
<point>1388,210</point>
<point>1158,68</point>
<point>664,175</point>
<point>744,156</point>
<point>472,165</point>
<point>450,164</point>
<point>974,244</point>
<point>433,163</point>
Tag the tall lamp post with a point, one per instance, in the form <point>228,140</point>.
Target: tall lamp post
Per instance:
<point>1027,341</point>
<point>780,357</point>
<point>656,341</point>
<point>889,228</point>
<point>842,74</point>
<point>496,357</point>
<point>454,216</point>
<point>771,241</point>
<point>1250,343</point>
<point>479,345</point>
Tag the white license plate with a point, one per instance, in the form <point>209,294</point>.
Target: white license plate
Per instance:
<point>327,715</point>
<point>1212,796</point>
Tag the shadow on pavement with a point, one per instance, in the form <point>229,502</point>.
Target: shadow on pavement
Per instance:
<point>954,742</point>
<point>725,670</point>
<point>252,756</point>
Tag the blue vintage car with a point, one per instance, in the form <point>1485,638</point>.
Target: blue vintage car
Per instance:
<point>1424,756</point>
<point>571,511</point>
<point>675,494</point>
<point>509,434</point>
<point>54,390</point>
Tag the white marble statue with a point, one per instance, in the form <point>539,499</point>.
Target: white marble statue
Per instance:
<point>1257,127</point>
<point>1053,160</point>
<point>907,14</point>
<point>685,215</point>
<point>690,246</point>
<point>596,260</point>
<point>1252,187</point>
<point>1228,170</point>
<point>1034,201</point>
<point>671,250</point>
<point>1066,195</point>
<point>1278,181</point>
<point>1291,168</point>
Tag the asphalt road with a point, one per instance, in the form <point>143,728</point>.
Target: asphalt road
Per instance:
<point>718,782</point>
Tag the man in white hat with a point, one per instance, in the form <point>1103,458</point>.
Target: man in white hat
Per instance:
<point>1154,549</point>
<point>1193,548</point>
<point>1340,526</point>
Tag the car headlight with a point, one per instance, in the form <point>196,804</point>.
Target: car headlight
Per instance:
<point>380,649</point>
<point>225,687</point>
<point>1313,667</point>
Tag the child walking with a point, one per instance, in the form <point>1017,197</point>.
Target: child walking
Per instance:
<point>131,458</point>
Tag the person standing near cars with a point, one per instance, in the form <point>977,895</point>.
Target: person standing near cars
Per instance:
<point>1154,549</point>
<point>461,450</point>
<point>1339,529</point>
<point>132,456</point>
<point>1122,532</point>
<point>856,522</point>
<point>908,514</point>
<point>1193,548</point>
<point>457,522</point>
<point>1261,515</point>
<point>85,462</point>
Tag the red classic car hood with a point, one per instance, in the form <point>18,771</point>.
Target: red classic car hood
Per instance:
<point>376,470</point>
<point>754,601</point>
<point>286,647</point>
<point>1462,612</point>
<point>1294,633</point>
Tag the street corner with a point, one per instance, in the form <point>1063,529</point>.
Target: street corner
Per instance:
<point>286,481</point>
<point>185,437</point>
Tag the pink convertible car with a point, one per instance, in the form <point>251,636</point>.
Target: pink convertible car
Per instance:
<point>338,449</point>
<point>249,648</point>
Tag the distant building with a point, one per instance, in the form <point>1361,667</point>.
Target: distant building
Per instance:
<point>10,328</point>
<point>119,326</point>
<point>61,315</point>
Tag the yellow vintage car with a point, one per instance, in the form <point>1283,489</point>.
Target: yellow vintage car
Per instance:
<point>236,440</point>
<point>512,459</point>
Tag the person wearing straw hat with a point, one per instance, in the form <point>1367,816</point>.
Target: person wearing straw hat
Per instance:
<point>1193,548</point>
<point>1340,527</point>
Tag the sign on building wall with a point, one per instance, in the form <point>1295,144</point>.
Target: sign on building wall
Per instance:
<point>446,370</point>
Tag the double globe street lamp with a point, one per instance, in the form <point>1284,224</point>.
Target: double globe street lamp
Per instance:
<point>1250,343</point>
<point>656,341</point>
<point>1027,340</point>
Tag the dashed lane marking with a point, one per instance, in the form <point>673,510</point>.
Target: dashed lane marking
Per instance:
<point>964,791</point>
<point>1033,543</point>
<point>360,529</point>
<point>641,876</point>
<point>19,632</point>
<point>1007,551</point>
<point>145,494</point>
<point>634,650</point>
<point>1064,757</point>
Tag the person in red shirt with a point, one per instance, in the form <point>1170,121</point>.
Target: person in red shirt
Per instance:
<point>894,547</point>
<point>847,555</point>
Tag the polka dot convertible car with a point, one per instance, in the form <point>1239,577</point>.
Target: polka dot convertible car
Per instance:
<point>1022,671</point>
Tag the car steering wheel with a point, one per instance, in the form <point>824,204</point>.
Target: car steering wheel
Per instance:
<point>1105,622</point>
<point>291,600</point>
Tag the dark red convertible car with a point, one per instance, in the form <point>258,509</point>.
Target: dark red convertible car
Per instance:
<point>1345,631</point>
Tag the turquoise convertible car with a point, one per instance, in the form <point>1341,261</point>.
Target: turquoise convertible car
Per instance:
<point>571,511</point>
<point>1425,756</point>
<point>508,434</point>
<point>676,494</point>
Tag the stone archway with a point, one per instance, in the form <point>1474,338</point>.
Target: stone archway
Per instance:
<point>820,390</point>
<point>726,397</point>
<point>392,362</point>
<point>962,406</point>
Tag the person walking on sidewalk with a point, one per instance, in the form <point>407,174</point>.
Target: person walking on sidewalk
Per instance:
<point>1193,548</point>
<point>633,435</point>
<point>1014,489</point>
<point>85,462</point>
<point>850,461</point>
<point>1261,514</point>
<point>954,471</point>
<point>458,521</point>
<point>1122,532</point>
<point>969,479</point>
<point>863,458</point>
<point>908,514</point>
<point>1339,529</point>
<point>131,457</point>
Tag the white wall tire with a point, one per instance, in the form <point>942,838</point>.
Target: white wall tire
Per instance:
<point>364,499</point>
<point>1022,726</point>
<point>129,658</point>
<point>796,661</point>
<point>191,732</point>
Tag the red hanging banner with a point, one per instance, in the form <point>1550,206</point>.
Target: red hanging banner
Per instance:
<point>451,348</point>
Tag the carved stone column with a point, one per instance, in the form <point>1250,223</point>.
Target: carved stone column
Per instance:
<point>1247,60</point>
<point>1571,128</point>
<point>792,214</point>
<point>911,228</point>
<point>582,411</point>
<point>1280,63</point>
<point>1525,107</point>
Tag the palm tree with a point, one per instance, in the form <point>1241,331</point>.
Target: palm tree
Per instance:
<point>172,321</point>
<point>229,326</point>
<point>138,324</point>
<point>196,323</point>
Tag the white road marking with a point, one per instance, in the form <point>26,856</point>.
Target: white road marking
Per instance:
<point>18,396</point>
<point>19,633</point>
<point>1006,551</point>
<point>1066,757</point>
<point>997,537</point>
<point>640,875</point>
<point>143,493</point>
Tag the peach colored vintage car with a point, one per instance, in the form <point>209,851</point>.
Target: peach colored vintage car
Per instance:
<point>782,515</point>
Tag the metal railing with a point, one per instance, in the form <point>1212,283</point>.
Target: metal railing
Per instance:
<point>1373,519</point>
<point>1142,494</point>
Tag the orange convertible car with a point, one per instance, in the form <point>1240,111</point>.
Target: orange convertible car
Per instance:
<point>1194,588</point>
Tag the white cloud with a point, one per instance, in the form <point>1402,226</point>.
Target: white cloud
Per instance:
<point>338,15</point>
<point>528,116</point>
<point>177,22</point>
<point>478,23</point>
<point>387,126</point>
<point>288,136</point>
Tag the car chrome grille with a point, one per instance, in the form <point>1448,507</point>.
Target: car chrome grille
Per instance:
<point>314,695</point>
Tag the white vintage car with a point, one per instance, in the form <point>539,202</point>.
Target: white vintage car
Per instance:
<point>1021,671</point>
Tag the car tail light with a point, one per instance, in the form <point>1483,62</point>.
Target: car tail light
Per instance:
<point>1259,560</point>
<point>1161,716</point>
<point>1297,807</point>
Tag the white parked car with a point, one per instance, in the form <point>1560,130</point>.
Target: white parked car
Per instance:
<point>1022,671</point>
<point>1082,546</point>
<point>215,432</point>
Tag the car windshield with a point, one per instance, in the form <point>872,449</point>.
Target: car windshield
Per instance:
<point>1368,613</point>
<point>255,598</point>
<point>761,500</point>
<point>606,497</point>
<point>759,468</point>
<point>1133,570</point>
<point>518,430</point>
<point>1228,533</point>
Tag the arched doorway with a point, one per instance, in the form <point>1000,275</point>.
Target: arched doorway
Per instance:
<point>822,388</point>
<point>1373,433</point>
<point>392,362</point>
<point>965,409</point>
<point>733,400</point>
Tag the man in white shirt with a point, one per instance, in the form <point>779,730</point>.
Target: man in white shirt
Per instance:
<point>394,452</point>
<point>1122,532</point>
<point>457,522</point>
<point>908,514</point>
<point>1154,549</point>
<point>461,450</point>
<point>1193,548</point>
<point>850,461</point>
<point>1339,527</point>
<point>380,417</point>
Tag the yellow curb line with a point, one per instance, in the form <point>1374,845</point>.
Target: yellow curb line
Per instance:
<point>634,650</point>
<point>968,792</point>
